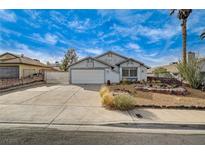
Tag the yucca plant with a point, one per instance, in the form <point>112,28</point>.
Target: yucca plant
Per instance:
<point>190,72</point>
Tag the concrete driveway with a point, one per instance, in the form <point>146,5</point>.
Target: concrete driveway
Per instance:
<point>72,104</point>
<point>57,104</point>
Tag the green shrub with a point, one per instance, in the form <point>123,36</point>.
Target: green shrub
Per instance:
<point>108,100</point>
<point>124,102</point>
<point>104,90</point>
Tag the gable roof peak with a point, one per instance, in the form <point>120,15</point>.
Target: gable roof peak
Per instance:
<point>89,57</point>
<point>8,53</point>
<point>131,59</point>
<point>113,52</point>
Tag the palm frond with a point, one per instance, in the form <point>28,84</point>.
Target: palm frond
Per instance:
<point>172,11</point>
<point>203,35</point>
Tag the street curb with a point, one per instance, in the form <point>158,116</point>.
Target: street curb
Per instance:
<point>172,107</point>
<point>159,126</point>
<point>102,128</point>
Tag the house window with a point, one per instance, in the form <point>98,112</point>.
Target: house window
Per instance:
<point>129,72</point>
<point>125,72</point>
<point>133,72</point>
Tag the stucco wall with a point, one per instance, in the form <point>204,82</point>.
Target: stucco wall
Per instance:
<point>25,70</point>
<point>203,66</point>
<point>143,73</point>
<point>111,75</point>
<point>114,59</point>
<point>130,64</point>
<point>57,77</point>
<point>85,64</point>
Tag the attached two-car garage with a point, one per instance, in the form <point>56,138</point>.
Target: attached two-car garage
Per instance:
<point>92,71</point>
<point>87,76</point>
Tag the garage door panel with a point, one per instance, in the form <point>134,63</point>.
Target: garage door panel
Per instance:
<point>92,76</point>
<point>9,72</point>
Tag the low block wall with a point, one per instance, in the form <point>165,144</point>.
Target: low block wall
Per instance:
<point>8,83</point>
<point>57,77</point>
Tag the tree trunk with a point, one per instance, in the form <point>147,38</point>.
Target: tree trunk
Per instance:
<point>184,58</point>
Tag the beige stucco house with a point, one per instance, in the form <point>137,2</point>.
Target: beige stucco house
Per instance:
<point>19,66</point>
<point>172,67</point>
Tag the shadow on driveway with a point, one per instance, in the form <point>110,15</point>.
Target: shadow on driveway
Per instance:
<point>90,87</point>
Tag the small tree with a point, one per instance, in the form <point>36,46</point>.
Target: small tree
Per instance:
<point>190,72</point>
<point>70,57</point>
<point>160,71</point>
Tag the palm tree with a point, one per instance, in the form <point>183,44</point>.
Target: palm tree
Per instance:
<point>202,35</point>
<point>183,14</point>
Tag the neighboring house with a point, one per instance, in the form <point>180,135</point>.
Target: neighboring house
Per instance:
<point>202,62</point>
<point>108,66</point>
<point>19,66</point>
<point>172,67</point>
<point>55,65</point>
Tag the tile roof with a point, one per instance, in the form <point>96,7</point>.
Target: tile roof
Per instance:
<point>16,59</point>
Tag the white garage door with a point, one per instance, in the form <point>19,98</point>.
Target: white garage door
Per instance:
<point>92,76</point>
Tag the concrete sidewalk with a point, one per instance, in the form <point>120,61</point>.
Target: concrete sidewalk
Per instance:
<point>80,105</point>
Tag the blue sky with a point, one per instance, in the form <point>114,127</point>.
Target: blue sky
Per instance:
<point>151,36</point>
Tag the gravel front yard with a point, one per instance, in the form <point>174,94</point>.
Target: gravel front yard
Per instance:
<point>195,98</point>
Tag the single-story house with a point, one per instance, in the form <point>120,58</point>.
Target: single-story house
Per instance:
<point>55,66</point>
<point>172,67</point>
<point>19,66</point>
<point>107,66</point>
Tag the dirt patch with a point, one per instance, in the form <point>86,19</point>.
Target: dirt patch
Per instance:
<point>195,98</point>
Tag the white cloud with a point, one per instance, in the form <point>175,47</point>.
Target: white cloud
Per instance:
<point>153,61</point>
<point>7,16</point>
<point>47,38</point>
<point>129,17</point>
<point>78,25</point>
<point>51,39</point>
<point>33,13</point>
<point>155,58</point>
<point>9,31</point>
<point>94,51</point>
<point>153,34</point>
<point>134,47</point>
<point>58,17</point>
<point>157,34</point>
<point>130,32</point>
<point>39,54</point>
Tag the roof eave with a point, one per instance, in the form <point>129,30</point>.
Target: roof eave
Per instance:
<point>134,61</point>
<point>111,52</point>
<point>93,59</point>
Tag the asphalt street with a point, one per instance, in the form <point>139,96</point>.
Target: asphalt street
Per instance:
<point>39,136</point>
